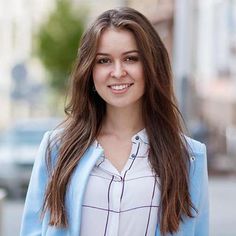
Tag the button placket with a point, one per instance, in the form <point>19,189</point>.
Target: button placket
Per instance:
<point>136,143</point>
<point>114,217</point>
<point>133,155</point>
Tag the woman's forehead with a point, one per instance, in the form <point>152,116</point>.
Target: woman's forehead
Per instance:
<point>114,39</point>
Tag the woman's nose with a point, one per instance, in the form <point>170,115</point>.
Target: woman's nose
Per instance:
<point>118,71</point>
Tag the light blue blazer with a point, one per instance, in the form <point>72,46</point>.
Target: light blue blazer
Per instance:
<point>33,225</point>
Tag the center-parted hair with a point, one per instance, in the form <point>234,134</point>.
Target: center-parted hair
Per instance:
<point>86,110</point>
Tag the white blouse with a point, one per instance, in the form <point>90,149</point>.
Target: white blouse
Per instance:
<point>126,203</point>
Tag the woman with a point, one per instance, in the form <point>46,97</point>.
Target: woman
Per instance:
<point>121,164</point>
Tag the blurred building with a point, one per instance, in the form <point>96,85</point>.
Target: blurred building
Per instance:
<point>18,21</point>
<point>215,67</point>
<point>204,65</point>
<point>161,14</point>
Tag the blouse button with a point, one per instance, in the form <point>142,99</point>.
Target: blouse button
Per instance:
<point>133,155</point>
<point>193,158</point>
<point>137,137</point>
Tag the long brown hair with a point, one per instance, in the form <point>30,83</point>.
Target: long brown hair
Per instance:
<point>85,111</point>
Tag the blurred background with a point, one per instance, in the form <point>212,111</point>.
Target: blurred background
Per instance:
<point>38,45</point>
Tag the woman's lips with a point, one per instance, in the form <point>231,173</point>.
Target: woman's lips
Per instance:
<point>120,88</point>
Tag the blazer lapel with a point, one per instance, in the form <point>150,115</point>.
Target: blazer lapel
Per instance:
<point>77,186</point>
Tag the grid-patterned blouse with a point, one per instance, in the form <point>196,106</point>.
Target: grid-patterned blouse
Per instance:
<point>122,203</point>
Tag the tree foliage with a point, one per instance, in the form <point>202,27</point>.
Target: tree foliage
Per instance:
<point>57,42</point>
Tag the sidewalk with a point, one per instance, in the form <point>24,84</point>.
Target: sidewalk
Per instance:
<point>12,212</point>
<point>222,192</point>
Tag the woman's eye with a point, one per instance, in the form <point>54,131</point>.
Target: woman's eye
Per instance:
<point>103,61</point>
<point>131,58</point>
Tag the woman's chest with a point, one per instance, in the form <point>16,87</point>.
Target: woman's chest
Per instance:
<point>113,199</point>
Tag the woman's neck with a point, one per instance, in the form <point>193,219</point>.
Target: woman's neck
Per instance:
<point>123,122</point>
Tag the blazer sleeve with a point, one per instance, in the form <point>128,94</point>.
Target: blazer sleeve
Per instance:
<point>202,220</point>
<point>31,224</point>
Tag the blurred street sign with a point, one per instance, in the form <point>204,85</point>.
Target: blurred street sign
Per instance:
<point>19,76</point>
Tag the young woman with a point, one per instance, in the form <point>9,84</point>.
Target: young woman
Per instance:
<point>121,164</point>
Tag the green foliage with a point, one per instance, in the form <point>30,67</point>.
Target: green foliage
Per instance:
<point>58,41</point>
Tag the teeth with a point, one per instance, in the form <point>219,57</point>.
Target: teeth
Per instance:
<point>120,87</point>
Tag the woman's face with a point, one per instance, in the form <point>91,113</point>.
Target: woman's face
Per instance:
<point>118,71</point>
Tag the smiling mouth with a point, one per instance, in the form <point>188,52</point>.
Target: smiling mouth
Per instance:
<point>119,87</point>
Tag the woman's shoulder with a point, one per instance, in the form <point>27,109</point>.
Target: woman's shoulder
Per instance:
<point>198,157</point>
<point>52,137</point>
<point>53,134</point>
<point>51,140</point>
<point>194,146</point>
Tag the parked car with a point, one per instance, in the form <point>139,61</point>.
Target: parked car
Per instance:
<point>18,148</point>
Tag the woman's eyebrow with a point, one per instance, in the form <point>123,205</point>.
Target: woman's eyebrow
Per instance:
<point>132,51</point>
<point>124,53</point>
